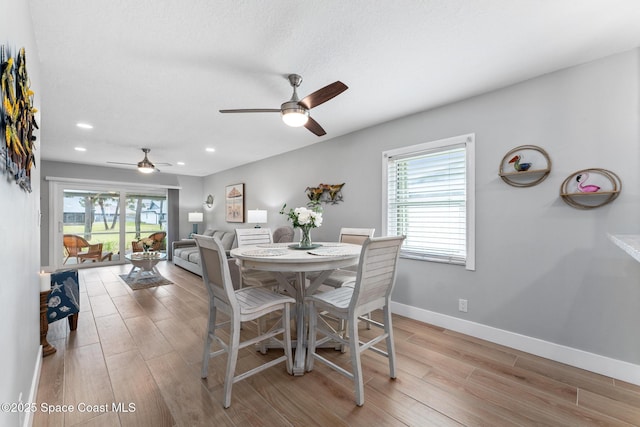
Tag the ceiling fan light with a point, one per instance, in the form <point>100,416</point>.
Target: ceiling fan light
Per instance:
<point>295,117</point>
<point>146,167</point>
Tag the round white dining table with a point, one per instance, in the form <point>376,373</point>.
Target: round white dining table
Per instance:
<point>282,259</point>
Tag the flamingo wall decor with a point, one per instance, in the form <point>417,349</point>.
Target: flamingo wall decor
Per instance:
<point>590,188</point>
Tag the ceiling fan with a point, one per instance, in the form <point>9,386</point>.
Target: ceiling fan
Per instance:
<point>295,112</point>
<point>145,165</point>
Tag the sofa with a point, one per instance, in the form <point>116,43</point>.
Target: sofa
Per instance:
<point>186,255</point>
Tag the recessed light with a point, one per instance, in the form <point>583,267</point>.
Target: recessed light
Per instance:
<point>80,149</point>
<point>210,150</point>
<point>84,125</point>
<point>180,163</point>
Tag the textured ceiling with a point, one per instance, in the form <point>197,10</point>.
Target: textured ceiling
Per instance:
<point>154,73</point>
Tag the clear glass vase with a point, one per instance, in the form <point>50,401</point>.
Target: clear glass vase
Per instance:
<point>305,238</point>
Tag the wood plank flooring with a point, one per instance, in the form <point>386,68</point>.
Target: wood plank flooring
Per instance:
<point>142,350</point>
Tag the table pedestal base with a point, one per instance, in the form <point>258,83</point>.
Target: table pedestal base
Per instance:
<point>143,273</point>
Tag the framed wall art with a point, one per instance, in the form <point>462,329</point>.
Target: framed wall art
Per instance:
<point>234,198</point>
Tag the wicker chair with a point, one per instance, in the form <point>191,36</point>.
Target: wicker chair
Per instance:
<point>159,243</point>
<point>73,246</point>
<point>94,254</point>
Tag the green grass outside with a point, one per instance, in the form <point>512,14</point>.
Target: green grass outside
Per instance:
<point>111,238</point>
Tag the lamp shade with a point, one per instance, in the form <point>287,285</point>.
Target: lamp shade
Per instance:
<point>257,216</point>
<point>196,216</point>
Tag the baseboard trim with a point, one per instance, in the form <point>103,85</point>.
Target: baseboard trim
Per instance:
<point>35,381</point>
<point>603,365</point>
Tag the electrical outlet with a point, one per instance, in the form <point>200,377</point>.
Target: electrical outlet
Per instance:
<point>462,305</point>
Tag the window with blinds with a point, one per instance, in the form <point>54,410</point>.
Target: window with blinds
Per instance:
<point>429,199</point>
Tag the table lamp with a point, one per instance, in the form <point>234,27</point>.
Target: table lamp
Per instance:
<point>195,218</point>
<point>257,216</point>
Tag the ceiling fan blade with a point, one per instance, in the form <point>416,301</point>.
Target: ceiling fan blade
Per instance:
<point>314,127</point>
<point>252,110</point>
<point>120,163</point>
<point>323,95</point>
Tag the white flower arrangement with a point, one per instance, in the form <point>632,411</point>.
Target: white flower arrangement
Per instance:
<point>303,217</point>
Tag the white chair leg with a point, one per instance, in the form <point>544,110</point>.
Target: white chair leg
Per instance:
<point>391,349</point>
<point>232,358</point>
<point>311,342</point>
<point>354,349</point>
<point>343,333</point>
<point>286,322</point>
<point>208,341</point>
<point>262,326</point>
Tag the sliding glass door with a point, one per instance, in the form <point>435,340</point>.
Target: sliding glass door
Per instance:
<point>98,224</point>
<point>146,214</point>
<point>90,225</point>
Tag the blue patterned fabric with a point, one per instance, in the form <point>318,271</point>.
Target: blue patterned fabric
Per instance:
<point>64,299</point>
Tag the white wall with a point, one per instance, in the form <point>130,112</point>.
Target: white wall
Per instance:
<point>544,270</point>
<point>191,200</point>
<point>19,252</point>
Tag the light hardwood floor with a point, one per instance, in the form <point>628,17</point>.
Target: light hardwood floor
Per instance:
<point>144,348</point>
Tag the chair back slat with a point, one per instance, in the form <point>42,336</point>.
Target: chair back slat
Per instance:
<point>253,236</point>
<point>215,270</point>
<point>356,236</point>
<point>376,274</point>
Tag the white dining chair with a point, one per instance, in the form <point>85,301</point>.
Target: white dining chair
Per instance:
<point>346,275</point>
<point>240,305</point>
<point>375,279</point>
<point>255,236</point>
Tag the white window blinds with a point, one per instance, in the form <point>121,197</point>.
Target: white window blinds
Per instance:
<point>427,200</point>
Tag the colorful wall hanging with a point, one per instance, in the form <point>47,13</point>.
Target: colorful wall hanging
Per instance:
<point>17,118</point>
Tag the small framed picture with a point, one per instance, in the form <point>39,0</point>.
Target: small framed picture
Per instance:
<point>234,197</point>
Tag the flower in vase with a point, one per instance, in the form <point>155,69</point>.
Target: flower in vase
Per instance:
<point>303,217</point>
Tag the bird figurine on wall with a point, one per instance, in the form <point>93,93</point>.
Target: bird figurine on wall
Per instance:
<point>581,179</point>
<point>314,193</point>
<point>334,191</point>
<point>520,167</point>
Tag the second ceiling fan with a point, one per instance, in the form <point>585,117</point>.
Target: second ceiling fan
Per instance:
<point>295,112</point>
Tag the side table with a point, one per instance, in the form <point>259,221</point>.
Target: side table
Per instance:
<point>47,348</point>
